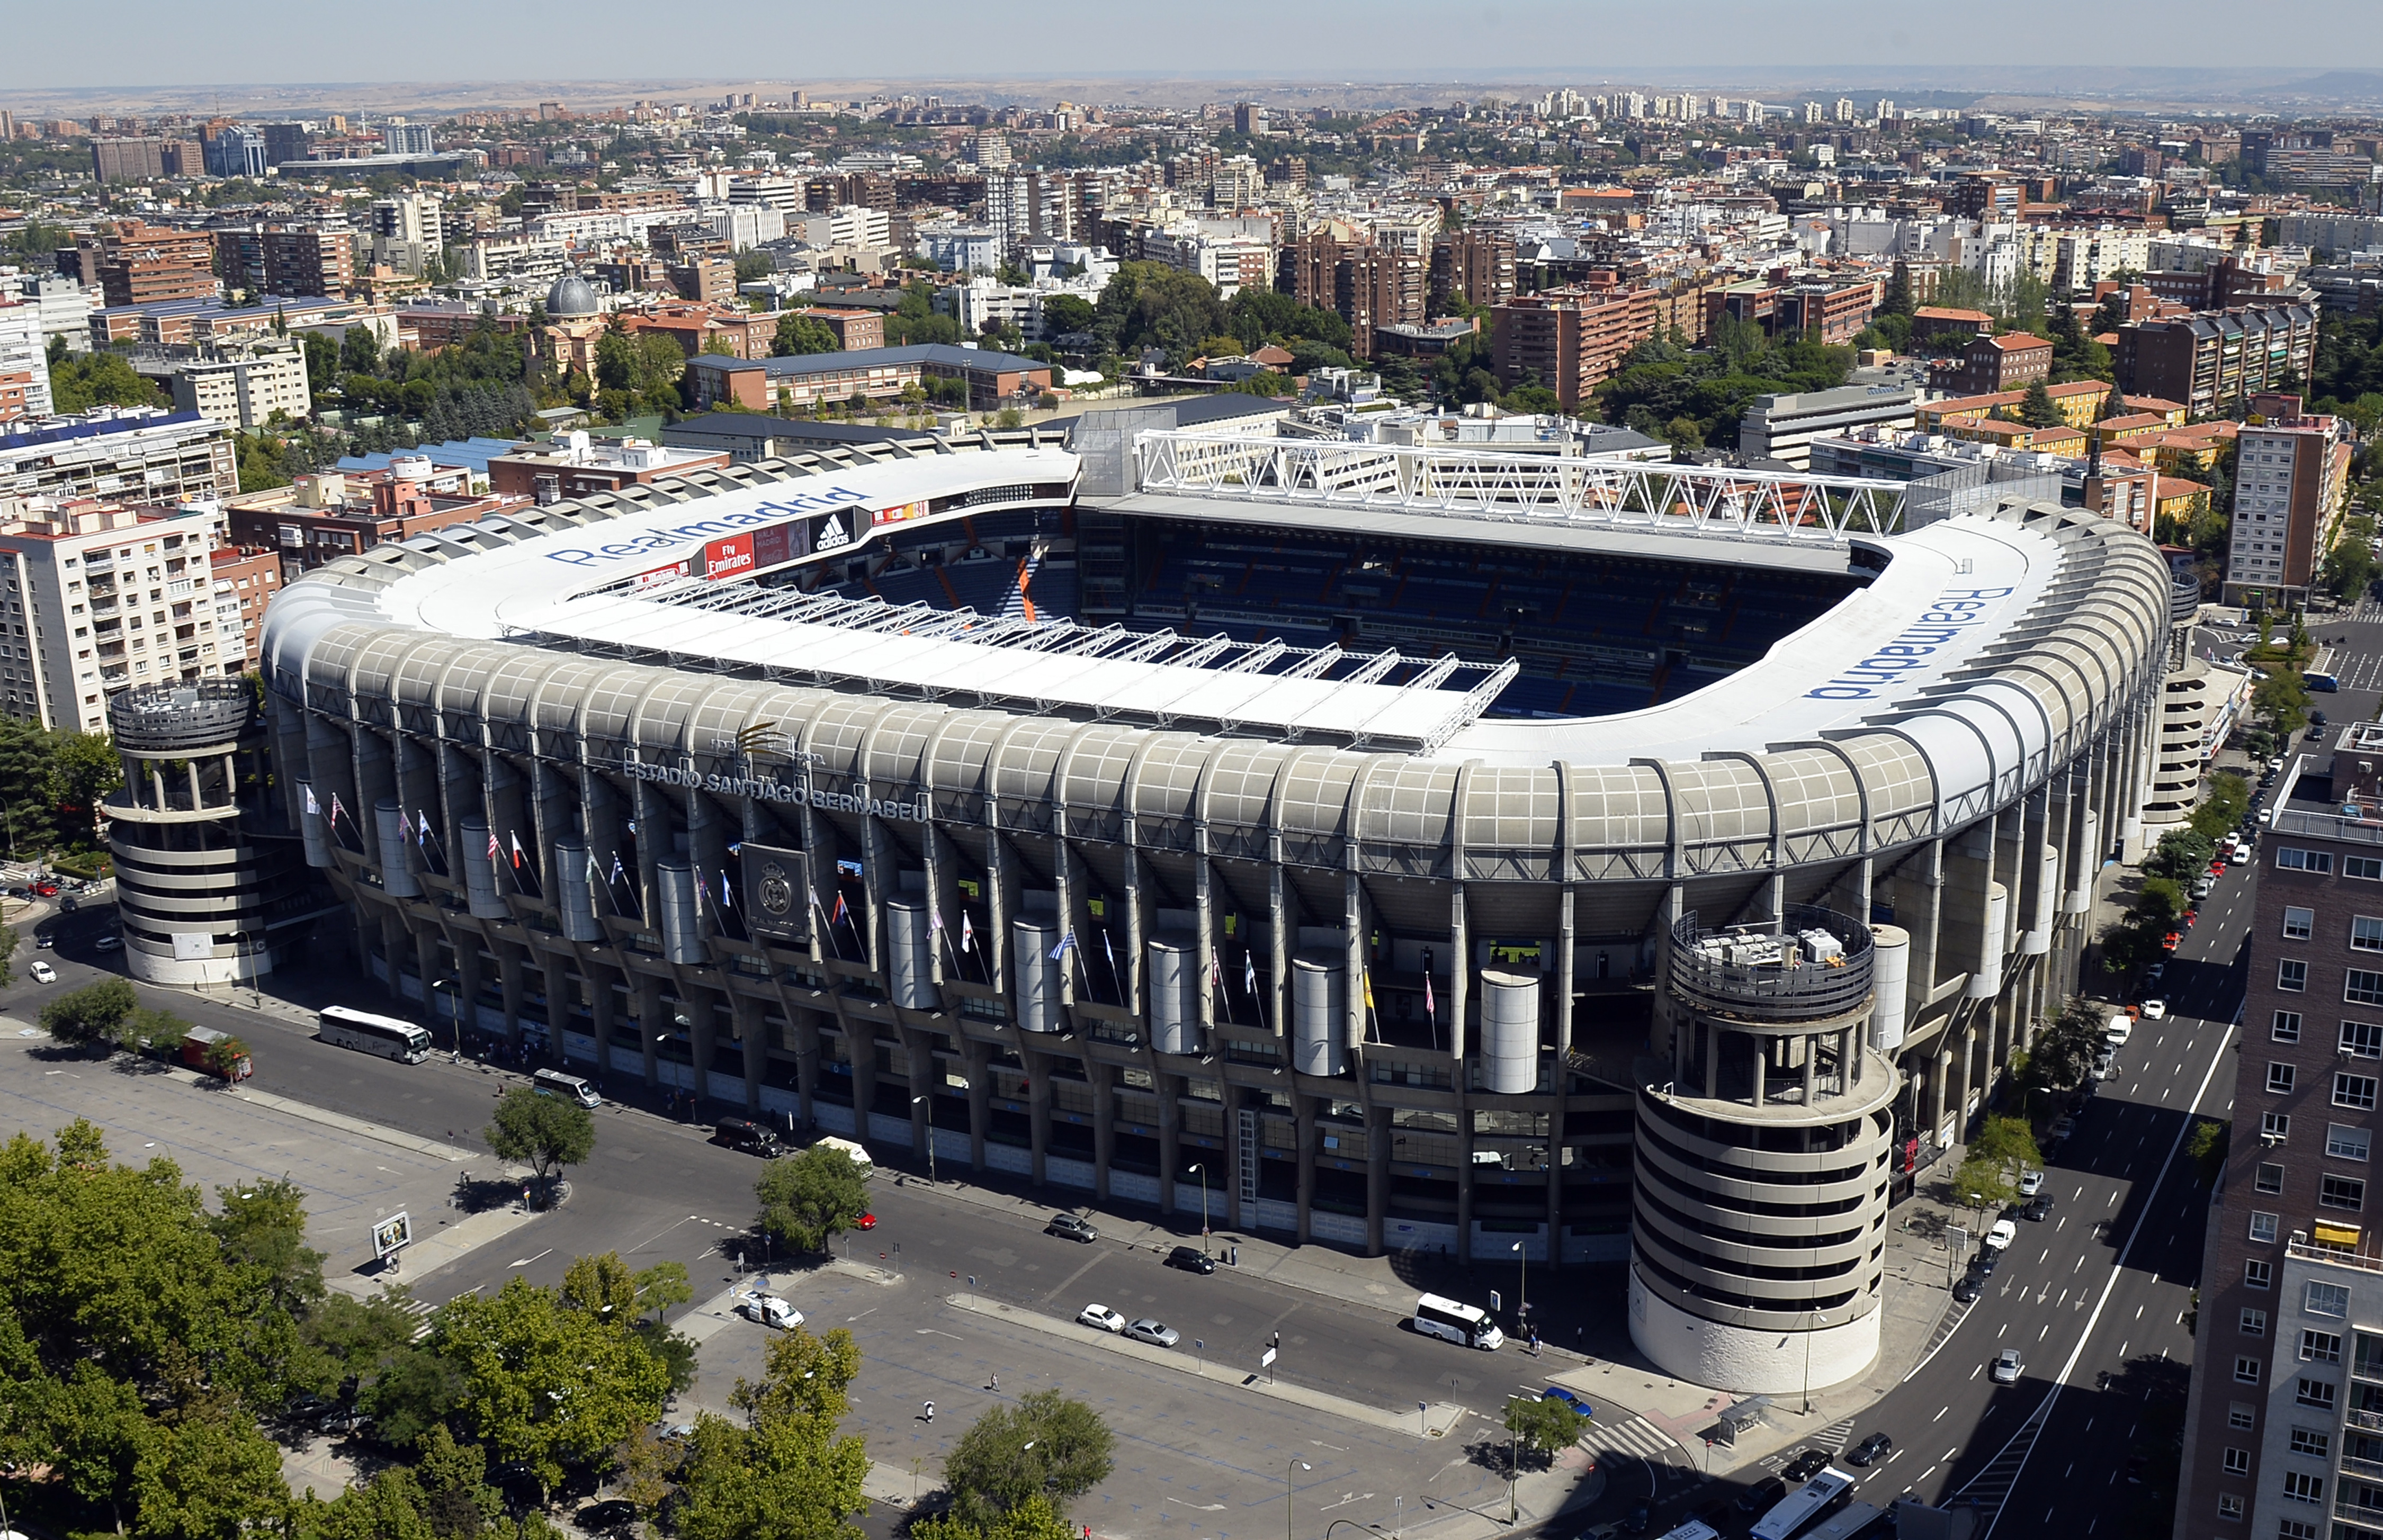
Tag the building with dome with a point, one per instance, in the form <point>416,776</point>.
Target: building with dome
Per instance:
<point>574,320</point>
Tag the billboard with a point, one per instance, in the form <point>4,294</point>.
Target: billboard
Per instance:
<point>729,558</point>
<point>901,512</point>
<point>749,552</point>
<point>777,893</point>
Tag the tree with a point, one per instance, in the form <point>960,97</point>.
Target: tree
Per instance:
<point>263,1225</point>
<point>991,1471</point>
<point>545,1383</point>
<point>2223,809</point>
<point>544,1132</point>
<point>8,950</point>
<point>2280,702</point>
<point>2064,1052</point>
<point>84,769</point>
<point>2037,410</point>
<point>1982,1184</point>
<point>152,1031</point>
<point>209,1476</point>
<point>784,1474</point>
<point>1899,299</point>
<point>2009,1142</point>
<point>1066,314</point>
<point>808,1198</point>
<point>800,334</point>
<point>1035,1519</point>
<point>2206,1147</point>
<point>359,351</point>
<point>1542,1426</point>
<point>89,1014</point>
<point>85,380</point>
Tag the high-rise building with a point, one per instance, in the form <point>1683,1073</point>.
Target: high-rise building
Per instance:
<point>1344,270</point>
<point>287,141</point>
<point>2289,475</point>
<point>128,160</point>
<point>133,264</point>
<point>310,260</point>
<point>245,391</point>
<point>24,362</point>
<point>1569,339</point>
<point>174,455</point>
<point>237,152</point>
<point>409,139</point>
<point>2284,1421</point>
<point>409,232</point>
<point>2212,360</point>
<point>1478,264</point>
<point>1249,118</point>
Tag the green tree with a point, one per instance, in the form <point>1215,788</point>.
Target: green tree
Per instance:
<point>209,1476</point>
<point>1982,1184</point>
<point>993,1470</point>
<point>546,1133</point>
<point>85,380</point>
<point>84,771</point>
<point>8,950</point>
<point>808,1198</point>
<point>2224,807</point>
<point>2280,702</point>
<point>2038,409</point>
<point>784,1474</point>
<point>263,1225</point>
<point>2064,1052</point>
<point>359,351</point>
<point>413,1393</point>
<point>545,1383</point>
<point>1035,1519</point>
<point>1543,1426</point>
<point>1064,314</point>
<point>92,1014</point>
<point>2009,1143</point>
<point>152,1031</point>
<point>2206,1147</point>
<point>800,334</point>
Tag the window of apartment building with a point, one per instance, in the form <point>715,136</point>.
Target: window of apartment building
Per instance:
<point>2315,1393</point>
<point>2363,987</point>
<point>2362,1040</point>
<point>2368,867</point>
<point>2299,923</point>
<point>2354,1090</point>
<point>2257,1274</point>
<point>2366,934</point>
<point>2320,1347</point>
<point>2246,1370</point>
<point>2292,975</point>
<point>2269,1177</point>
<point>2340,1192</point>
<point>2237,1462</point>
<point>2305,860</point>
<point>2230,1506</point>
<point>2287,1027</point>
<point>2312,1442</point>
<point>2301,1487</point>
<point>2274,1126</point>
<point>2292,1529</point>
<point>2325,1299</point>
<point>2279,1078</point>
<point>2343,1142</point>
<point>2263,1227</point>
<point>2241,1414</point>
<point>2254,1323</point>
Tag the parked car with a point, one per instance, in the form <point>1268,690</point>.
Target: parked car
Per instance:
<point>2039,1208</point>
<point>1068,1227</point>
<point>1158,1333</point>
<point>2155,1010</point>
<point>2002,1234</point>
<point>45,940</point>
<point>1100,1316</point>
<point>865,1221</point>
<point>612,1513</point>
<point>1191,1259</point>
<point>753,1139</point>
<point>2029,1183</point>
<point>2007,1365</point>
<point>769,1311</point>
<point>2218,868</point>
<point>1969,1288</point>
<point>2063,1126</point>
<point>107,944</point>
<point>1869,1449</point>
<point>1638,1520</point>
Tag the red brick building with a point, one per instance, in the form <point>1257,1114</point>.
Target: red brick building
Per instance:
<point>1568,339</point>
<point>133,264</point>
<point>855,330</point>
<point>246,578</point>
<point>2011,361</point>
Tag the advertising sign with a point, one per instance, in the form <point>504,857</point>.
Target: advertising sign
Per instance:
<point>729,558</point>
<point>392,1235</point>
<point>901,512</point>
<point>659,577</point>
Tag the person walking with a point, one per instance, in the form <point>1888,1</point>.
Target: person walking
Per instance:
<point>930,1412</point>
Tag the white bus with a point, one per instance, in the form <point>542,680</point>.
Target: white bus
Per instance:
<point>1820,1495</point>
<point>1854,1520</point>
<point>386,1036</point>
<point>1694,1529</point>
<point>1455,1322</point>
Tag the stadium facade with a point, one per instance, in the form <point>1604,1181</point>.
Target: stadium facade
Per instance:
<point>1395,849</point>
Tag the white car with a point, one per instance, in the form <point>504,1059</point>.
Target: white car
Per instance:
<point>43,972</point>
<point>1101,1316</point>
<point>1157,1333</point>
<point>771,1311</point>
<point>2155,1010</point>
<point>2002,1234</point>
<point>2029,1183</point>
<point>2117,1034</point>
<point>2007,1365</point>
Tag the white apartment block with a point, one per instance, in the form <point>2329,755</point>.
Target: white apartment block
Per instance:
<point>22,353</point>
<point>2288,481</point>
<point>244,393</point>
<point>408,231</point>
<point>94,598</point>
<point>65,305</point>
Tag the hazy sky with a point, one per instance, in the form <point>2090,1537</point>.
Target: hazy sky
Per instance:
<point>158,43</point>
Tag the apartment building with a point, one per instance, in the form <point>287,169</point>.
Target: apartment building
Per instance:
<point>2211,360</point>
<point>876,375</point>
<point>309,261</point>
<point>245,392</point>
<point>1478,264</point>
<point>2011,361</point>
<point>24,363</point>
<point>246,578</point>
<point>322,517</point>
<point>1568,339</point>
<point>2290,477</point>
<point>2284,1423</point>
<point>120,452</point>
<point>409,233</point>
<point>1783,427</point>
<point>134,264</point>
<point>1366,283</point>
<point>578,466</point>
<point>100,595</point>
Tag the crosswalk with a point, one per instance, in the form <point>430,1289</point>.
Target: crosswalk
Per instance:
<point>1991,1487</point>
<point>1829,1440</point>
<point>1636,1437</point>
<point>421,1310</point>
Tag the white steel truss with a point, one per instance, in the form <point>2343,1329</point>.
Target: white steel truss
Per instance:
<point>1521,489</point>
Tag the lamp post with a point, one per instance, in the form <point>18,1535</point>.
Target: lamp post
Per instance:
<point>1811,1321</point>
<point>1513,1453</point>
<point>452,986</point>
<point>1203,1170</point>
<point>931,1138</point>
<point>1522,1290</point>
<point>1296,1464</point>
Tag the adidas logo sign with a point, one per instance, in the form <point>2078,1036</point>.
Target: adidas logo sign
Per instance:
<point>831,535</point>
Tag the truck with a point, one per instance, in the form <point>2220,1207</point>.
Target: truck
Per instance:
<point>854,1152</point>
<point>217,1053</point>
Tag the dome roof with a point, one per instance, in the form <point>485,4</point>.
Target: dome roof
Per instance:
<point>570,296</point>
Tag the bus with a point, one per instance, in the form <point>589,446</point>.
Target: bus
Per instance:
<point>1455,1322</point>
<point>1855,1523</point>
<point>1825,1493</point>
<point>386,1036</point>
<point>1695,1529</point>
<point>2324,681</point>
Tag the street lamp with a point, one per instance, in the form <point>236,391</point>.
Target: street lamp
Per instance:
<point>931,1139</point>
<point>1522,1289</point>
<point>453,986</point>
<point>1296,1463</point>
<point>1203,1170</point>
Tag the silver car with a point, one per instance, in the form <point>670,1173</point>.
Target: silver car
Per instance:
<point>1157,1333</point>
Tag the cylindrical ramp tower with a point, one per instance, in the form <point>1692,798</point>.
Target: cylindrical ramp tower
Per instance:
<point>1319,1011</point>
<point>1033,939</point>
<point>1174,973</point>
<point>1510,1031</point>
<point>909,932</point>
<point>682,927</point>
<point>1762,1157</point>
<point>576,885</point>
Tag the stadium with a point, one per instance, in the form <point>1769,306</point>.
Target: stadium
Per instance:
<point>1630,867</point>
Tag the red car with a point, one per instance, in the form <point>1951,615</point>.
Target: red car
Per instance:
<point>2189,916</point>
<point>865,1221</point>
<point>46,890</point>
<point>2216,869</point>
<point>2168,942</point>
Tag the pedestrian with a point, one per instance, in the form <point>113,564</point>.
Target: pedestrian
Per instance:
<point>930,1412</point>
<point>994,1383</point>
<point>1534,1341</point>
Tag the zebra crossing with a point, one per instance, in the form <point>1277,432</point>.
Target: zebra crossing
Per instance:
<point>1636,1437</point>
<point>421,1310</point>
<point>1829,1441</point>
<point>1991,1487</point>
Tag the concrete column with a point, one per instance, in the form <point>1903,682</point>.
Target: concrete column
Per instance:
<point>980,1097</point>
<point>806,1066</point>
<point>1103,1077</point>
<point>652,1019</point>
<point>1302,1118</point>
<point>1038,1106</point>
<point>1464,1183</point>
<point>1377,1177</point>
<point>1170,1136</point>
<point>925,1074</point>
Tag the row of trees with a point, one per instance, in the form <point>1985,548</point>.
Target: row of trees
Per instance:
<point>2137,939</point>
<point>52,785</point>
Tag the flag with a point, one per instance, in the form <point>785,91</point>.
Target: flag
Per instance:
<point>312,807</point>
<point>618,875</point>
<point>404,826</point>
<point>1430,1006</point>
<point>1067,945</point>
<point>934,916</point>
<point>336,808</point>
<point>737,847</point>
<point>1249,973</point>
<point>494,853</point>
<point>1215,973</point>
<point>517,849</point>
<point>421,827</point>
<point>968,932</point>
<point>594,875</point>
<point>840,911</point>
<point>726,902</point>
<point>1368,977</point>
<point>1111,952</point>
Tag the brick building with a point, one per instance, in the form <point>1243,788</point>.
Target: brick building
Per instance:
<point>577,466</point>
<point>1365,283</point>
<point>133,264</point>
<point>1568,339</point>
<point>1478,264</point>
<point>2213,360</point>
<point>2011,361</point>
<point>2291,474</point>
<point>306,262</point>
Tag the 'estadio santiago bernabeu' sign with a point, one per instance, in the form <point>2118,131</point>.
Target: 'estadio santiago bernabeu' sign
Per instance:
<point>760,788</point>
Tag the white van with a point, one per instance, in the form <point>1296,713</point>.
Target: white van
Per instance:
<point>1453,1321</point>
<point>859,1156</point>
<point>571,1088</point>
